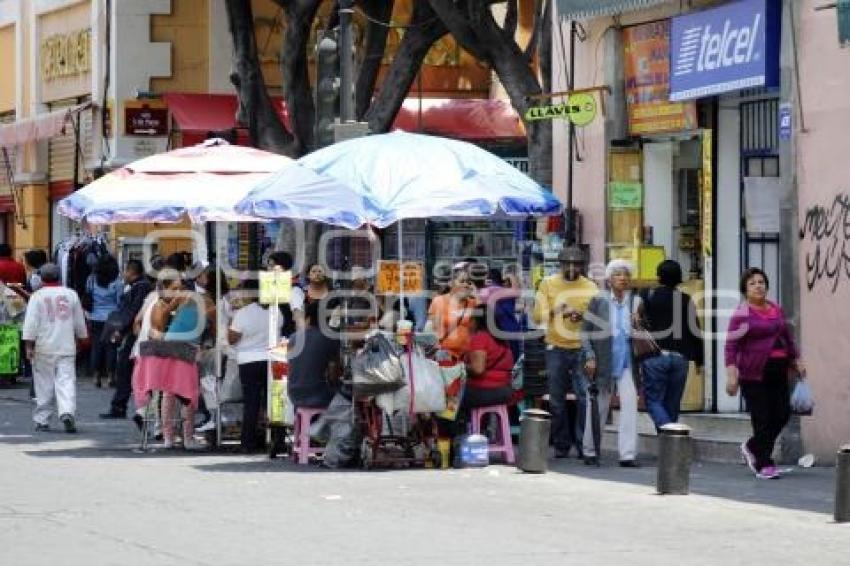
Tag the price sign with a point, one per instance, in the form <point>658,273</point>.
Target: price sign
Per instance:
<point>413,274</point>
<point>10,349</point>
<point>275,287</point>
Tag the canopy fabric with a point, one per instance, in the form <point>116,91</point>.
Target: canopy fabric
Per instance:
<point>586,9</point>
<point>199,112</point>
<point>402,175</point>
<point>203,182</point>
<point>41,127</point>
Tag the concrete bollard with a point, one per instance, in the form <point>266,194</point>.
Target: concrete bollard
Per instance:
<point>534,441</point>
<point>842,485</point>
<point>674,459</point>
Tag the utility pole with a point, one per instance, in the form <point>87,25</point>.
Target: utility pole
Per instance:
<point>569,226</point>
<point>346,66</point>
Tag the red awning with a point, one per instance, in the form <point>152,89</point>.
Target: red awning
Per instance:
<point>476,120</point>
<point>197,114</point>
<point>471,119</point>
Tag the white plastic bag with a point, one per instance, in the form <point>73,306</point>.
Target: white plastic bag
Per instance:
<point>424,384</point>
<point>802,401</point>
<point>209,389</point>
<point>231,387</point>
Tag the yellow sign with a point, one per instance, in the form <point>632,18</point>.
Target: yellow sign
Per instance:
<point>707,190</point>
<point>580,109</point>
<point>387,281</point>
<point>275,287</point>
<point>66,55</point>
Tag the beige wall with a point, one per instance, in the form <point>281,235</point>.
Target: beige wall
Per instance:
<point>8,53</point>
<point>73,19</point>
<point>187,28</point>
<point>823,178</point>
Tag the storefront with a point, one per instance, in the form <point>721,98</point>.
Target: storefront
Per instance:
<point>689,156</point>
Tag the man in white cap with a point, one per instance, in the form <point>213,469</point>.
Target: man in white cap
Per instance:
<point>53,323</point>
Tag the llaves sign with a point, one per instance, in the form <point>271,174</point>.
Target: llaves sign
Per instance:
<point>727,48</point>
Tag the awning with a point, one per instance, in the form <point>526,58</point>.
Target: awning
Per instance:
<point>197,114</point>
<point>43,126</point>
<point>472,120</point>
<point>586,9</point>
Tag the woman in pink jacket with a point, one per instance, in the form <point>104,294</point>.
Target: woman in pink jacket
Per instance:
<point>760,354</point>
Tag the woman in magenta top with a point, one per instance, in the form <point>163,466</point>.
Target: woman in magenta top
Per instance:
<point>489,362</point>
<point>760,352</point>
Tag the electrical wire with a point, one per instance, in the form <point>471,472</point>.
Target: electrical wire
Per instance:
<point>391,25</point>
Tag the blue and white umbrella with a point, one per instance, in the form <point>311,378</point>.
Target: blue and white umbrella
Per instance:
<point>402,175</point>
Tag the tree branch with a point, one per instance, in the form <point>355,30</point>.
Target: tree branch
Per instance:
<point>406,63</point>
<point>373,53</point>
<point>299,16</point>
<point>511,18</point>
<point>454,16</point>
<point>255,108</point>
<point>533,46</point>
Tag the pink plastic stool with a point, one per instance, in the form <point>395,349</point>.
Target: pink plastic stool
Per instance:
<point>505,445</point>
<point>301,451</point>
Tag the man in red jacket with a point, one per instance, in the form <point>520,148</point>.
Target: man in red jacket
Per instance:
<point>11,271</point>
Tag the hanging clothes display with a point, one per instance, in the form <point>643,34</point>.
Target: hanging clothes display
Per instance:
<point>77,256</point>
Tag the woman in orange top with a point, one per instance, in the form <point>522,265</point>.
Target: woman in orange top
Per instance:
<point>451,315</point>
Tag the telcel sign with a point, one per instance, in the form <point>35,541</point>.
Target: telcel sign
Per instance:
<point>727,48</point>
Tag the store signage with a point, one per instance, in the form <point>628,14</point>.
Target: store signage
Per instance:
<point>727,48</point>
<point>785,121</point>
<point>275,287</point>
<point>387,281</point>
<point>145,118</point>
<point>646,49</point>
<point>580,109</point>
<point>625,195</point>
<point>65,55</point>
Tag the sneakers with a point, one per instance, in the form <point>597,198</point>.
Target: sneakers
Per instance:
<point>749,457</point>
<point>41,427</point>
<point>68,423</point>
<point>207,426</point>
<point>768,473</point>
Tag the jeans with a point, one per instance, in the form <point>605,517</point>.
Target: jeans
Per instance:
<point>770,409</point>
<point>565,372</point>
<point>664,379</point>
<point>102,354</point>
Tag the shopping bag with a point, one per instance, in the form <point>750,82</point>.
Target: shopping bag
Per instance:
<point>517,376</point>
<point>282,409</point>
<point>425,391</point>
<point>231,387</point>
<point>377,368</point>
<point>802,401</point>
<point>454,384</point>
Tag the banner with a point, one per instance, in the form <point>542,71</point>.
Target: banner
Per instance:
<point>387,280</point>
<point>275,287</point>
<point>707,192</point>
<point>647,73</point>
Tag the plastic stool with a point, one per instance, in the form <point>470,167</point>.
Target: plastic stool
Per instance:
<point>301,451</point>
<point>505,445</point>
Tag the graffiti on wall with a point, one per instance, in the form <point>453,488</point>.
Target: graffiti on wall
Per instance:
<point>826,236</point>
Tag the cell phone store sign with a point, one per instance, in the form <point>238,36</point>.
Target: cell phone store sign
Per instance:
<point>727,48</point>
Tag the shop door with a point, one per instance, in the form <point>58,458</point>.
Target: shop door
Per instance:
<point>760,158</point>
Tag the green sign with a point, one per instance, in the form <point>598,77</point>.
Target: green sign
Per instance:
<point>625,195</point>
<point>10,349</point>
<point>580,109</point>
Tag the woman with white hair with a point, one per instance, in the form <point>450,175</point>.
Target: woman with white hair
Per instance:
<point>610,366</point>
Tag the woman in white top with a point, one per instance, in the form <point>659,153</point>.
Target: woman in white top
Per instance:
<point>249,336</point>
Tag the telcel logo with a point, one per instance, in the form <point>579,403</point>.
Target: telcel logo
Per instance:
<point>710,51</point>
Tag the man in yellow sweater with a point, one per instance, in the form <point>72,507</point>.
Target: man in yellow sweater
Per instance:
<point>559,307</point>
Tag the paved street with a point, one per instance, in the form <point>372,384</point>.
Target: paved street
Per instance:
<point>89,499</point>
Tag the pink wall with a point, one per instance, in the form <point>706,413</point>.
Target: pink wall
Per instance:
<point>823,168</point>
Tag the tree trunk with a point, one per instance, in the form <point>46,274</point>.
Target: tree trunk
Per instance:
<point>373,53</point>
<point>472,23</point>
<point>294,71</point>
<point>406,63</point>
<point>255,108</point>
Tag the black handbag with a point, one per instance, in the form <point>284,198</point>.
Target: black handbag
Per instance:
<point>644,345</point>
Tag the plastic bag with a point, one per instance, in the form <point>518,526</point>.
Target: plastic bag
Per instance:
<point>231,387</point>
<point>454,384</point>
<point>209,389</point>
<point>343,439</point>
<point>424,384</point>
<point>802,401</point>
<point>377,368</point>
<point>282,409</point>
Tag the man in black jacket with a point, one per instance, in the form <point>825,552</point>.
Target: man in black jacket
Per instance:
<point>121,324</point>
<point>671,317</point>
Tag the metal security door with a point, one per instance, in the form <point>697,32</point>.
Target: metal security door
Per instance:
<point>760,158</point>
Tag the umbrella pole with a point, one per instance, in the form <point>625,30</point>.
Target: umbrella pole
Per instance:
<point>402,313</point>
